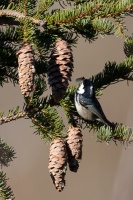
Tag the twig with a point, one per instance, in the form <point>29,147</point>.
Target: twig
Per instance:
<point>10,118</point>
<point>19,15</point>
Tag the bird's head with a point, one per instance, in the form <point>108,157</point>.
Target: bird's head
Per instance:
<point>86,88</point>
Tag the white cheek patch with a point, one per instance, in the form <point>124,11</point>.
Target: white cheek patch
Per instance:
<point>81,89</point>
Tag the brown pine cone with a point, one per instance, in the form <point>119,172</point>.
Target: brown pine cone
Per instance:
<point>60,69</point>
<point>74,147</point>
<point>26,69</point>
<point>58,163</point>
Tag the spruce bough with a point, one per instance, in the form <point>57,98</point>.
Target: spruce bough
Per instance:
<point>36,46</point>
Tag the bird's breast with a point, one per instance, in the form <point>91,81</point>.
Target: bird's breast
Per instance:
<point>83,112</point>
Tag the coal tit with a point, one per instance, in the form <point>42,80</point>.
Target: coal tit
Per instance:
<point>87,104</point>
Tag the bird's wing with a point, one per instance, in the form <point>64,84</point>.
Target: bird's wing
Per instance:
<point>94,106</point>
<point>97,109</point>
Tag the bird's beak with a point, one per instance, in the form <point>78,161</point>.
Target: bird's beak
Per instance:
<point>80,79</point>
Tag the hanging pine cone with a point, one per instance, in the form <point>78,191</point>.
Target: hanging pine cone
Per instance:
<point>58,163</point>
<point>60,69</point>
<point>74,147</point>
<point>26,69</point>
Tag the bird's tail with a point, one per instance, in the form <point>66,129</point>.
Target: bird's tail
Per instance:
<point>111,124</point>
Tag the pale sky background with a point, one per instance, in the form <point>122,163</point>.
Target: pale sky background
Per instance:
<point>106,171</point>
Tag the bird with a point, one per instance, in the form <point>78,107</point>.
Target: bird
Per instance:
<point>86,103</point>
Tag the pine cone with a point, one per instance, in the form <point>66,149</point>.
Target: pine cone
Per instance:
<point>58,163</point>
<point>60,69</point>
<point>74,147</point>
<point>26,69</point>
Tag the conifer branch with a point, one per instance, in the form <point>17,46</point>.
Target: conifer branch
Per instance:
<point>103,26</point>
<point>20,16</point>
<point>118,72</point>
<point>121,133</point>
<point>91,10</point>
<point>13,117</point>
<point>5,191</point>
<point>7,153</point>
<point>128,46</point>
<point>43,6</point>
<point>48,123</point>
<point>42,128</point>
